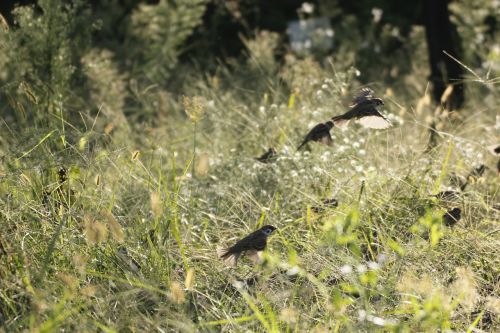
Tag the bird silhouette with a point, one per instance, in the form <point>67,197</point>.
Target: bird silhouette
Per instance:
<point>326,203</point>
<point>319,133</point>
<point>269,156</point>
<point>473,175</point>
<point>252,245</point>
<point>452,216</point>
<point>364,109</point>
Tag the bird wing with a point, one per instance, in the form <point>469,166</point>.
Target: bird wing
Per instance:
<point>326,140</point>
<point>377,122</point>
<point>255,256</point>
<point>259,243</point>
<point>248,242</point>
<point>362,95</point>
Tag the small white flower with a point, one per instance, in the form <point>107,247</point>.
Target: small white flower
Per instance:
<point>346,269</point>
<point>293,271</point>
<point>238,284</point>
<point>378,321</point>
<point>262,109</point>
<point>361,315</point>
<point>381,258</point>
<point>361,269</point>
<point>317,169</point>
<point>324,86</point>
<point>377,14</point>
<point>307,7</point>
<point>373,265</point>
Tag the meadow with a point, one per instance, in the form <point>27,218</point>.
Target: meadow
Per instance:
<point>114,201</point>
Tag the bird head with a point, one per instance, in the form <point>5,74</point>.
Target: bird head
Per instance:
<point>267,229</point>
<point>378,101</point>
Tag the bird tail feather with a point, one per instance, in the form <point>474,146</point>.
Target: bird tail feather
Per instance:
<point>301,145</point>
<point>339,121</point>
<point>230,259</point>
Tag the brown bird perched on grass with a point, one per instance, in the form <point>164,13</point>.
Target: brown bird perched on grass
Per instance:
<point>252,245</point>
<point>364,109</point>
<point>452,216</point>
<point>473,175</point>
<point>319,133</point>
<point>269,156</point>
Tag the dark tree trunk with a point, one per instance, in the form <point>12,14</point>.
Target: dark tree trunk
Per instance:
<point>442,36</point>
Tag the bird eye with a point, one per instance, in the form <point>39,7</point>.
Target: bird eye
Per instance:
<point>267,231</point>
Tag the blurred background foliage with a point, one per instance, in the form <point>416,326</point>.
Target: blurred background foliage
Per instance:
<point>125,59</point>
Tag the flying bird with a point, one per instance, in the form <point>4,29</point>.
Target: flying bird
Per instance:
<point>252,245</point>
<point>364,109</point>
<point>452,216</point>
<point>319,133</point>
<point>269,156</point>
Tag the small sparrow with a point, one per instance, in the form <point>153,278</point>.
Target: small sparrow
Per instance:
<point>448,195</point>
<point>474,175</point>
<point>269,156</point>
<point>364,109</point>
<point>327,203</point>
<point>253,245</point>
<point>63,174</point>
<point>319,133</point>
<point>495,149</point>
<point>452,216</point>
<point>127,261</point>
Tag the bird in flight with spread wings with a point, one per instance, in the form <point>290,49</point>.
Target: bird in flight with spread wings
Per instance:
<point>364,109</point>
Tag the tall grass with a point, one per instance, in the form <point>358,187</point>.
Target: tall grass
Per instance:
<point>127,242</point>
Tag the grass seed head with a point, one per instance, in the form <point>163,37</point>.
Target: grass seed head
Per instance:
<point>190,279</point>
<point>115,228</point>
<point>156,204</point>
<point>95,232</point>
<point>177,293</point>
